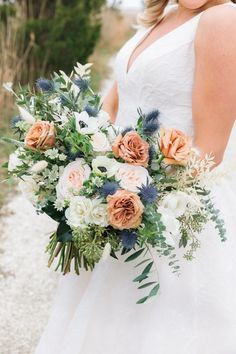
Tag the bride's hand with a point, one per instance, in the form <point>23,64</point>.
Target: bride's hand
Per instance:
<point>214,94</point>
<point>111,102</point>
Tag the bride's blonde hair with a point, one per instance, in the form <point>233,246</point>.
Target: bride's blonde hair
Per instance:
<point>153,12</point>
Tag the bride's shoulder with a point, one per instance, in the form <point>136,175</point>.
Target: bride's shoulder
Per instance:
<point>217,23</point>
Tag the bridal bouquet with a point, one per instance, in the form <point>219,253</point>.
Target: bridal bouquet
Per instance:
<point>113,191</point>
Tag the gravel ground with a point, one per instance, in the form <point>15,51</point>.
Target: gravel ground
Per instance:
<point>27,286</point>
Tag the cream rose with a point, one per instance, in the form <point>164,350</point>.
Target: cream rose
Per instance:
<point>98,213</point>
<point>78,213</point>
<point>178,202</point>
<point>72,179</point>
<point>132,177</point>
<point>100,142</point>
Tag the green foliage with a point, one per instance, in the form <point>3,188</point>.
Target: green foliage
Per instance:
<point>92,240</point>
<point>6,10</point>
<point>65,32</point>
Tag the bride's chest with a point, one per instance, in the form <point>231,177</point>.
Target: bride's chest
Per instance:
<point>166,64</point>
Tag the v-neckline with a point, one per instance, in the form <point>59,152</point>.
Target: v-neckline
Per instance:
<point>129,67</point>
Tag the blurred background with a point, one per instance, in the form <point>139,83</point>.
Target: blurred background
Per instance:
<point>38,37</point>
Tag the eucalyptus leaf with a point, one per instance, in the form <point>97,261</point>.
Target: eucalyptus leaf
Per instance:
<point>141,277</point>
<point>143,300</point>
<point>148,268</point>
<point>154,291</point>
<point>147,285</point>
<point>145,261</point>
<point>135,255</point>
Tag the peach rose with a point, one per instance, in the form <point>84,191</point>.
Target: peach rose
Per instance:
<point>41,136</point>
<point>175,146</point>
<point>125,210</point>
<point>131,148</point>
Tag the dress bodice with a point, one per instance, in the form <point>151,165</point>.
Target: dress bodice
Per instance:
<point>161,77</point>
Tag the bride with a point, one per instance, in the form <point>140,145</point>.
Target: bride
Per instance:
<point>181,61</point>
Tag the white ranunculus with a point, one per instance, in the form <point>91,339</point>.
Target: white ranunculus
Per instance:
<point>85,124</point>
<point>26,115</point>
<point>110,166</point>
<point>14,162</point>
<point>78,213</point>
<point>172,226</point>
<point>177,202</point>
<point>29,188</point>
<point>39,166</point>
<point>98,214</point>
<point>132,177</point>
<point>100,142</point>
<point>72,179</point>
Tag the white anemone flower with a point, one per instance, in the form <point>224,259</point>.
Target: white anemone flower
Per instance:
<point>86,124</point>
<point>104,165</point>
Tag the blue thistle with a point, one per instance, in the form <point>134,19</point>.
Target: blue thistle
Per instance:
<point>109,188</point>
<point>151,123</point>
<point>73,155</point>
<point>127,130</point>
<point>148,193</point>
<point>152,152</point>
<point>15,120</point>
<point>45,85</point>
<point>128,238</point>
<point>82,84</point>
<point>92,112</point>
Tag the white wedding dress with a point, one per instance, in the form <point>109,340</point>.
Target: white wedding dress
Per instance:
<point>96,313</point>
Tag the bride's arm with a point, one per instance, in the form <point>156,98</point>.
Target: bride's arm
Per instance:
<point>111,102</point>
<point>214,94</point>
